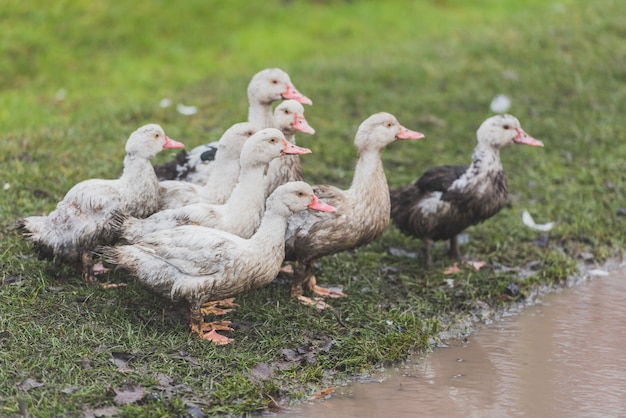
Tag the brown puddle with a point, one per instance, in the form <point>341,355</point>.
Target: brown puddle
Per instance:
<point>564,357</point>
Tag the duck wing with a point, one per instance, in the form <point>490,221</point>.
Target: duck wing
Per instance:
<point>195,250</point>
<point>439,179</point>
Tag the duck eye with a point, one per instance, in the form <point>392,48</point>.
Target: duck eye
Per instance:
<point>274,81</point>
<point>286,111</point>
<point>389,124</point>
<point>506,127</point>
<point>273,140</point>
<point>300,194</point>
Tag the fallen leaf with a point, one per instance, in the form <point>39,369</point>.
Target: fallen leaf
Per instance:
<point>112,285</point>
<point>70,390</point>
<point>193,410</point>
<point>106,411</point>
<point>290,355</point>
<point>317,302</point>
<point>86,363</point>
<point>453,269</point>
<point>129,394</point>
<point>262,371</point>
<point>28,384</point>
<point>185,356</point>
<point>476,264</point>
<point>12,279</point>
<point>323,393</point>
<point>121,360</point>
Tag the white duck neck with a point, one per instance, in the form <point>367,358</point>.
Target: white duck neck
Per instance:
<point>369,179</point>
<point>245,205</point>
<point>260,114</point>
<point>222,180</point>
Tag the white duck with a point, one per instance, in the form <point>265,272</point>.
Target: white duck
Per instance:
<point>241,214</point>
<point>362,211</point>
<point>175,194</point>
<point>447,199</point>
<point>198,264</point>
<point>82,220</point>
<point>265,87</point>
<point>289,118</point>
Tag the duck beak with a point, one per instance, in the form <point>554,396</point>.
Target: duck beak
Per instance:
<point>523,138</point>
<point>170,143</point>
<point>300,124</point>
<point>292,149</point>
<point>317,204</point>
<point>292,93</point>
<point>408,134</point>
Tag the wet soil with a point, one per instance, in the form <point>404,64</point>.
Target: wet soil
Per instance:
<point>565,356</point>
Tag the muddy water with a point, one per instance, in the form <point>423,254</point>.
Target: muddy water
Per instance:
<point>564,357</point>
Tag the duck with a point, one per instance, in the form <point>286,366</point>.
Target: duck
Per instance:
<point>289,118</point>
<point>266,87</point>
<point>82,219</point>
<point>447,199</point>
<point>362,213</point>
<point>175,194</point>
<point>197,265</point>
<point>241,214</point>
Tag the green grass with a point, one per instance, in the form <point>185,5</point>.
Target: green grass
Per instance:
<point>435,65</point>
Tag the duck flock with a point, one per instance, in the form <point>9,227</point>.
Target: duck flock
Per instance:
<point>223,218</point>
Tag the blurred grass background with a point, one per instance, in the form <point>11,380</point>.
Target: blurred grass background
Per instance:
<point>77,77</point>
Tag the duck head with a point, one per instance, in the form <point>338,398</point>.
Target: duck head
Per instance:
<point>380,130</point>
<point>502,130</point>
<point>273,84</point>
<point>148,140</point>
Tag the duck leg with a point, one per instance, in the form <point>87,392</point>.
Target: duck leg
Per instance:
<point>428,245</point>
<point>454,247</point>
<point>87,263</point>
<point>307,278</point>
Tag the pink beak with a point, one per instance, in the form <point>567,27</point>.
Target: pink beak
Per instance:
<point>170,143</point>
<point>523,138</point>
<point>408,134</point>
<point>317,204</point>
<point>300,124</point>
<point>292,149</point>
<point>292,93</point>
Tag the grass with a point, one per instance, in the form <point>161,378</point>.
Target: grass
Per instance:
<point>435,65</point>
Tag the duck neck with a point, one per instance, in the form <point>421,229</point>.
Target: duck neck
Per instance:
<point>369,181</point>
<point>270,236</point>
<point>222,179</point>
<point>137,167</point>
<point>260,114</point>
<point>246,202</point>
<point>485,159</point>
